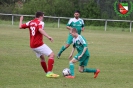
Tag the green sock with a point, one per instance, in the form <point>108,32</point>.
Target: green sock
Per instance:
<point>89,70</point>
<point>71,66</point>
<point>62,49</point>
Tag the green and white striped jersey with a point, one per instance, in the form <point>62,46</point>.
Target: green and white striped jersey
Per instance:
<point>76,23</point>
<point>79,43</point>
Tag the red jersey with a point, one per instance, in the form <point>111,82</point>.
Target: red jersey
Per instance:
<point>36,38</point>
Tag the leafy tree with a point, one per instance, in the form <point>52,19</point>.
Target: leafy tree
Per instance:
<point>95,9</point>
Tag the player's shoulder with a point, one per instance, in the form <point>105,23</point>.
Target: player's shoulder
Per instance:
<point>38,21</point>
<point>41,22</point>
<point>81,19</point>
<point>27,23</point>
<point>72,19</point>
<point>73,40</point>
<point>80,37</point>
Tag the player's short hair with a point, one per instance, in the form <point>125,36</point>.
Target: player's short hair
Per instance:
<point>74,30</point>
<point>38,14</point>
<point>77,11</point>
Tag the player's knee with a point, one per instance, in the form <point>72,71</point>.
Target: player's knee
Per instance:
<point>42,58</point>
<point>71,62</point>
<point>80,70</point>
<point>67,45</point>
<point>52,55</point>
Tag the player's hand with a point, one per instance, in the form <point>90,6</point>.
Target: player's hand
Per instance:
<point>79,57</point>
<point>50,38</point>
<point>21,18</point>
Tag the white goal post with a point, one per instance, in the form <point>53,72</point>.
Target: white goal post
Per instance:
<point>105,20</point>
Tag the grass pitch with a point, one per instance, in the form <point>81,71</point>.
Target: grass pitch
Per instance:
<point>111,52</point>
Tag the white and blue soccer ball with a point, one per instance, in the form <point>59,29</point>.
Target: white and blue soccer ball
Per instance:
<point>66,72</point>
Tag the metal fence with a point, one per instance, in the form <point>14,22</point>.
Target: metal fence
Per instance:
<point>87,19</point>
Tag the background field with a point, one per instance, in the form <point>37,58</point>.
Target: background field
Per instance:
<point>111,52</point>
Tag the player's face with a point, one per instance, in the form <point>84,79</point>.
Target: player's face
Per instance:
<point>42,18</point>
<point>76,15</point>
<point>72,33</point>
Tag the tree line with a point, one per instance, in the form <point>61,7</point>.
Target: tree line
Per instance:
<point>95,9</point>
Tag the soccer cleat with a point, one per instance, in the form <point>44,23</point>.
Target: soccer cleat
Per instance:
<point>70,77</point>
<point>51,75</point>
<point>58,56</point>
<point>96,73</point>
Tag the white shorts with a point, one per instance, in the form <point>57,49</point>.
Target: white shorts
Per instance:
<point>42,50</point>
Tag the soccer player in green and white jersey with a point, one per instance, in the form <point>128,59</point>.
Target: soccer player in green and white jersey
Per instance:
<point>77,23</point>
<point>82,57</point>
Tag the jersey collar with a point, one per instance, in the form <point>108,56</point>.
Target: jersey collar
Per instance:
<point>76,19</point>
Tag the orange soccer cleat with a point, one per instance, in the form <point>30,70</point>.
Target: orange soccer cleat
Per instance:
<point>96,73</point>
<point>70,77</point>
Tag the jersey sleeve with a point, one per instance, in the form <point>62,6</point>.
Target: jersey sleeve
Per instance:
<point>41,25</point>
<point>26,25</point>
<point>82,41</point>
<point>69,22</point>
<point>83,23</point>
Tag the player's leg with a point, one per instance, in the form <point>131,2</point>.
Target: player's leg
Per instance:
<point>50,66</point>
<point>88,70</point>
<point>48,52</point>
<point>64,47</point>
<point>71,67</point>
<point>45,50</point>
<point>84,63</point>
<point>81,69</point>
<point>50,62</point>
<point>43,63</point>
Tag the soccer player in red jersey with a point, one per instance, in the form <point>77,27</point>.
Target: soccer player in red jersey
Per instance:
<point>36,30</point>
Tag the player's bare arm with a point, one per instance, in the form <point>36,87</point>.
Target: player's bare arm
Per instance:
<point>69,28</point>
<point>73,49</point>
<point>85,48</point>
<point>45,34</point>
<point>20,22</point>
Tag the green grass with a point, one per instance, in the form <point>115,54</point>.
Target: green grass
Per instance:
<point>111,52</point>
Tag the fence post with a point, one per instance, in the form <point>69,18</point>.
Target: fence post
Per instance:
<point>12,19</point>
<point>130,26</point>
<point>58,22</point>
<point>105,25</point>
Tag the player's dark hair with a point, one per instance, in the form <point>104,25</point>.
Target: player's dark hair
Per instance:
<point>74,30</point>
<point>38,14</point>
<point>77,11</point>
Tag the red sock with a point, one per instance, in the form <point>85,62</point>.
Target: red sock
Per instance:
<point>50,64</point>
<point>44,66</point>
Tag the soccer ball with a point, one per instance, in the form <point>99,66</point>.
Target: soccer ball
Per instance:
<point>66,72</point>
